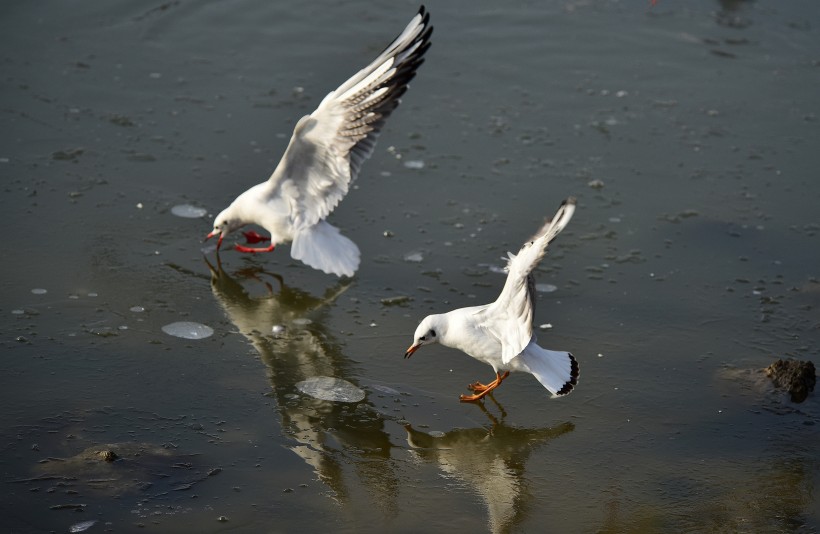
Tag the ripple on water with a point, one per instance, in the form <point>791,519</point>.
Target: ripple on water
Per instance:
<point>188,211</point>
<point>188,330</point>
<point>330,389</point>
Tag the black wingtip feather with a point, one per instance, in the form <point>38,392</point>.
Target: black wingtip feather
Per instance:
<point>573,380</point>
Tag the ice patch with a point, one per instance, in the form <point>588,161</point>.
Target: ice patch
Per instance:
<point>188,211</point>
<point>188,330</point>
<point>545,288</point>
<point>386,389</point>
<point>330,389</point>
<point>414,164</point>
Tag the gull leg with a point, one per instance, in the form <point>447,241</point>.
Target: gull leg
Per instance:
<point>478,387</point>
<point>486,389</point>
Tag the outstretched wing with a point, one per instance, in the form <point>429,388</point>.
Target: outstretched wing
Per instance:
<point>511,313</point>
<point>329,146</point>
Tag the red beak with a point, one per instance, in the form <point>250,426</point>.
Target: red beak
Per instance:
<point>218,243</point>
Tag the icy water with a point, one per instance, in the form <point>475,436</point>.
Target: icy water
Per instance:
<point>688,131</point>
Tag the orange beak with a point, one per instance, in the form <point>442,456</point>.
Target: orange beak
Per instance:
<point>411,350</point>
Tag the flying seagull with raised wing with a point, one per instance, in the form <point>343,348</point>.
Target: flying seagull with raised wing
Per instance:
<point>323,158</point>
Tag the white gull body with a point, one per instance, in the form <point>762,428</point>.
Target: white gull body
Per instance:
<point>500,334</point>
<point>323,158</point>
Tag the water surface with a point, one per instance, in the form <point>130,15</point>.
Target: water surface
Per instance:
<point>688,132</point>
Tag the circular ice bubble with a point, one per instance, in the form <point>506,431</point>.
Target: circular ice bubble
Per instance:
<point>330,389</point>
<point>545,288</point>
<point>386,389</point>
<point>39,291</point>
<point>188,330</point>
<point>136,309</point>
<point>414,164</point>
<point>188,211</point>
<point>277,329</point>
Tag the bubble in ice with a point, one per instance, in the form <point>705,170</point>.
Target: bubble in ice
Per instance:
<point>414,164</point>
<point>39,291</point>
<point>545,288</point>
<point>330,389</point>
<point>188,211</point>
<point>386,389</point>
<point>188,330</point>
<point>414,257</point>
<point>82,526</point>
<point>498,269</point>
<point>277,329</point>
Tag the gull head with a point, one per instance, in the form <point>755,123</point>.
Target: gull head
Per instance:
<point>224,224</point>
<point>429,331</point>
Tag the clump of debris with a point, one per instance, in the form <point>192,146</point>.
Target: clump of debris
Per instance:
<point>796,376</point>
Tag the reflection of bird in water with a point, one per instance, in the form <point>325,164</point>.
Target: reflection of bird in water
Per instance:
<point>330,436</point>
<point>490,460</point>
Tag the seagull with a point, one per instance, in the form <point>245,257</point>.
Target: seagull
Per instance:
<point>323,158</point>
<point>500,334</point>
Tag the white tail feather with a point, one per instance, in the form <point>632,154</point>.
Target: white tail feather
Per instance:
<point>556,370</point>
<point>323,247</point>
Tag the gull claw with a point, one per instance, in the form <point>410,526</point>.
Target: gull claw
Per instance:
<point>477,386</point>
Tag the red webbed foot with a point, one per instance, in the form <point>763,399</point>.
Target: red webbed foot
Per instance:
<point>250,250</point>
<point>252,237</point>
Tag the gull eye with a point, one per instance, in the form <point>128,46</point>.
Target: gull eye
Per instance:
<point>432,333</point>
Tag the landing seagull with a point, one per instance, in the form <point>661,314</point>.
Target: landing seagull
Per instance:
<point>500,334</point>
<point>324,156</point>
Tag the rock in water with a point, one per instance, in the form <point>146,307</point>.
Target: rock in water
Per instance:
<point>795,375</point>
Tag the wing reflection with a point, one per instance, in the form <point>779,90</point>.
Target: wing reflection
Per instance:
<point>490,460</point>
<point>331,437</point>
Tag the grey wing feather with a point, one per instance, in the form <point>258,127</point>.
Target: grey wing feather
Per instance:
<point>330,145</point>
